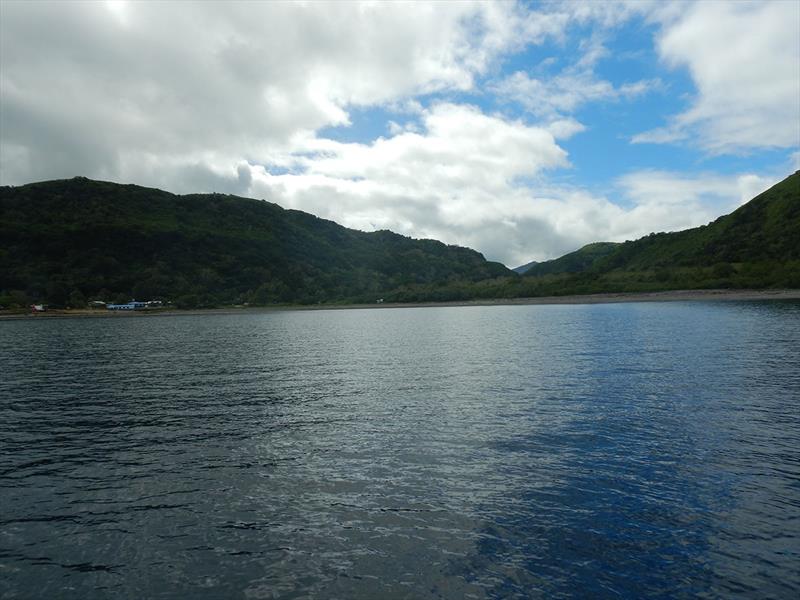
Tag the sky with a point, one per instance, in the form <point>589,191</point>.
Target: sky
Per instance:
<point>523,130</point>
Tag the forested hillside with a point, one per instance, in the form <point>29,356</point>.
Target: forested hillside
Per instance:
<point>574,262</point>
<point>68,241</point>
<point>757,246</point>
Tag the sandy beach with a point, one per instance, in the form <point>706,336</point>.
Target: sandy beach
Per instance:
<point>668,296</point>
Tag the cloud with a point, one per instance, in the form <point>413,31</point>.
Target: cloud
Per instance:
<point>744,59</point>
<point>457,180</point>
<point>607,14</point>
<point>91,87</point>
<point>460,143</point>
<point>566,92</point>
<point>563,129</point>
<point>553,97</point>
<point>684,200</point>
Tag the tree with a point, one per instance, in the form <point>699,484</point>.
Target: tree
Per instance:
<point>57,293</point>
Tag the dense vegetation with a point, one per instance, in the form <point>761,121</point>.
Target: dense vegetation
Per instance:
<point>574,262</point>
<point>65,242</point>
<point>757,246</point>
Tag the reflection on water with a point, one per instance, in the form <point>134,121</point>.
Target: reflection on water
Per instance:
<point>475,452</point>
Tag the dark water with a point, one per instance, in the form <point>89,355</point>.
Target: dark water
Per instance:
<point>605,451</point>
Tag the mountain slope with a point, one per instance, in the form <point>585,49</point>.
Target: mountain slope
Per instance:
<point>522,269</point>
<point>765,229</point>
<point>85,238</point>
<point>574,262</point>
<point>757,246</point>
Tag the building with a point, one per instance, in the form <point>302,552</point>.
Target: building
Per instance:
<point>132,305</point>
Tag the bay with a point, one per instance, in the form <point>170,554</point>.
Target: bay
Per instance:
<point>617,450</point>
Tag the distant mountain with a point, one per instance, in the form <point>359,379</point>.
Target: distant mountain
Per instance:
<point>522,269</point>
<point>574,262</point>
<point>67,241</point>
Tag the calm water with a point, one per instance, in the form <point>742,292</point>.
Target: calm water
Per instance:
<point>600,451</point>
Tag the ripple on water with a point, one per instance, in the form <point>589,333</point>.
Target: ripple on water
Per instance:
<point>475,452</point>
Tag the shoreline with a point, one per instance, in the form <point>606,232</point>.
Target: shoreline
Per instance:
<point>605,298</point>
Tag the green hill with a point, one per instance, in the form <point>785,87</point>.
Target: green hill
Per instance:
<point>67,240</point>
<point>765,230</point>
<point>574,262</point>
<point>757,246</point>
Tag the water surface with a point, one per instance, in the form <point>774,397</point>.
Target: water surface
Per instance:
<point>620,450</point>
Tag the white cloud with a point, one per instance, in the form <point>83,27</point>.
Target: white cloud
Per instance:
<point>87,87</point>
<point>744,59</point>
<point>460,143</point>
<point>689,200</point>
<point>552,97</point>
<point>563,129</point>
<point>564,93</point>
<point>609,13</point>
